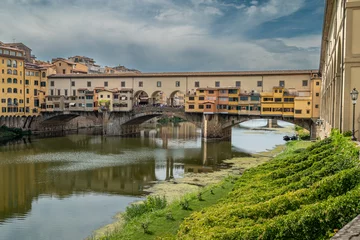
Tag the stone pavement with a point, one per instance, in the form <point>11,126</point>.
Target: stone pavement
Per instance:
<point>350,232</point>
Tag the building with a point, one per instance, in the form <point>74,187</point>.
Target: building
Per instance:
<point>293,103</point>
<point>64,66</point>
<point>115,100</point>
<point>340,65</point>
<point>89,63</point>
<point>119,69</point>
<point>12,63</point>
<point>151,88</point>
<point>28,57</point>
<point>213,100</point>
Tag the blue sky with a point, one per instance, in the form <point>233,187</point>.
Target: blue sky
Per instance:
<point>171,35</point>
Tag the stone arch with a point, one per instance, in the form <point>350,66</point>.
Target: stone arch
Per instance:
<point>159,98</point>
<point>177,98</point>
<point>141,98</point>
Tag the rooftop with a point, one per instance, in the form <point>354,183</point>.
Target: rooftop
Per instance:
<point>188,74</point>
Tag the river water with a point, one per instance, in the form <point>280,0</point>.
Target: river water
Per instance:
<point>65,187</point>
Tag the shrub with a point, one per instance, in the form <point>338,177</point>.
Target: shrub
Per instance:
<point>151,203</point>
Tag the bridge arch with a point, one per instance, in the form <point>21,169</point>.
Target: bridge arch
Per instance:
<point>177,98</point>
<point>141,98</point>
<point>159,98</point>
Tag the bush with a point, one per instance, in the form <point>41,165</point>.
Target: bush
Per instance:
<point>151,203</point>
<point>303,195</point>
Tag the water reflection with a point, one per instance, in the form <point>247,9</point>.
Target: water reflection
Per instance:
<point>82,171</point>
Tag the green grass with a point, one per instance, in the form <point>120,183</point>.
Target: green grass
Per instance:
<point>164,224</point>
<point>303,193</point>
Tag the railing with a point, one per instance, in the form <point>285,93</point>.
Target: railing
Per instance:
<point>145,108</point>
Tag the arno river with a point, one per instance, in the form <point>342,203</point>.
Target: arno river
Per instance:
<point>66,187</point>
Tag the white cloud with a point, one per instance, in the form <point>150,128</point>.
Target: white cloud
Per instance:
<point>155,35</point>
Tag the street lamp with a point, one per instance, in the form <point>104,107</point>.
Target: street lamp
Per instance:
<point>354,96</point>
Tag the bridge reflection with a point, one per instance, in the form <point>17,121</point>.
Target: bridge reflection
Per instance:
<point>60,167</point>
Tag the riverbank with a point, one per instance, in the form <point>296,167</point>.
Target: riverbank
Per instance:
<point>7,134</point>
<point>212,186</point>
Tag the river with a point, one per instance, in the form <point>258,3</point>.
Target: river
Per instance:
<point>67,186</point>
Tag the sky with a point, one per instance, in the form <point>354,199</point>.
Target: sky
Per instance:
<point>171,35</point>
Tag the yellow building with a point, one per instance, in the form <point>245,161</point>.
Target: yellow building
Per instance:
<point>293,103</point>
<point>68,67</point>
<point>35,86</point>
<point>11,84</point>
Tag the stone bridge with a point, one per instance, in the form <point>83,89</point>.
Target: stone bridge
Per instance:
<point>213,126</point>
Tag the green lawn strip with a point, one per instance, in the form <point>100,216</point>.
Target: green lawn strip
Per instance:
<point>164,224</point>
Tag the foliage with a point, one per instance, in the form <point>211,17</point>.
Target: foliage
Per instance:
<point>347,134</point>
<point>303,194</point>
<point>152,203</point>
<point>7,132</point>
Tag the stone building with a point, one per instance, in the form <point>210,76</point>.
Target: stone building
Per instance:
<point>340,65</point>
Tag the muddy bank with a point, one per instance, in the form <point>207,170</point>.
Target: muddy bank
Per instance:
<point>191,182</point>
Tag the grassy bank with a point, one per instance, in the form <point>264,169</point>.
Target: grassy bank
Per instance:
<point>301,194</point>
<point>12,133</point>
<point>193,193</point>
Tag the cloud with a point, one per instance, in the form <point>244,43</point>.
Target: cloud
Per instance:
<point>159,35</point>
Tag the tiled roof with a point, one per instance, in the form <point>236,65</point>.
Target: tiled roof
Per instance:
<point>188,74</point>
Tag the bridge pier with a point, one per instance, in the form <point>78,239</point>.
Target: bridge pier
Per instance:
<point>313,131</point>
<point>272,123</point>
<point>212,128</point>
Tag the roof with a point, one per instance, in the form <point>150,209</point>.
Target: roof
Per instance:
<point>17,44</point>
<point>64,60</point>
<point>188,74</point>
<point>218,88</point>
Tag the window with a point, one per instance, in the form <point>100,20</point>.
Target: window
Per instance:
<point>276,91</point>
<point>43,74</point>
<point>74,93</point>
<point>316,106</point>
<point>278,99</point>
<point>202,98</point>
<point>307,111</point>
<point>35,92</point>
<point>298,111</point>
<point>36,83</point>
<point>28,100</point>
<point>27,82</point>
<point>15,80</point>
<point>20,73</point>
<point>255,98</point>
<point>217,84</point>
<point>52,83</point>
<point>158,84</point>
<point>141,84</point>
<point>9,71</point>
<point>238,84</point>
<point>15,90</point>
<point>89,84</point>
<point>191,107</point>
<point>15,72</point>
<point>59,92</point>
<point>89,105</point>
<point>3,100</point>
<point>211,91</point>
<point>64,71</point>
<point>9,90</point>
<point>308,103</point>
<point>9,80</point>
<point>305,83</point>
<point>59,64</point>
<point>122,84</point>
<point>282,83</point>
<point>191,98</point>
<point>52,92</point>
<point>201,106</point>
<point>317,94</point>
<point>73,83</point>
<point>177,84</point>
<point>208,106</point>
<point>244,98</point>
<point>106,84</point>
<point>108,96</point>
<point>3,109</point>
<point>14,63</point>
<point>259,83</point>
<point>37,74</point>
<point>288,100</point>
<point>8,63</point>
<point>66,92</point>
<point>197,84</point>
<point>317,83</point>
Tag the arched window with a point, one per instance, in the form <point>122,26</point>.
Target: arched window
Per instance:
<point>9,80</point>
<point>9,101</point>
<point>14,80</point>
<point>44,74</point>
<point>9,90</point>
<point>8,63</point>
<point>14,63</point>
<point>15,90</point>
<point>9,71</point>
<point>15,72</point>
<point>15,101</point>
